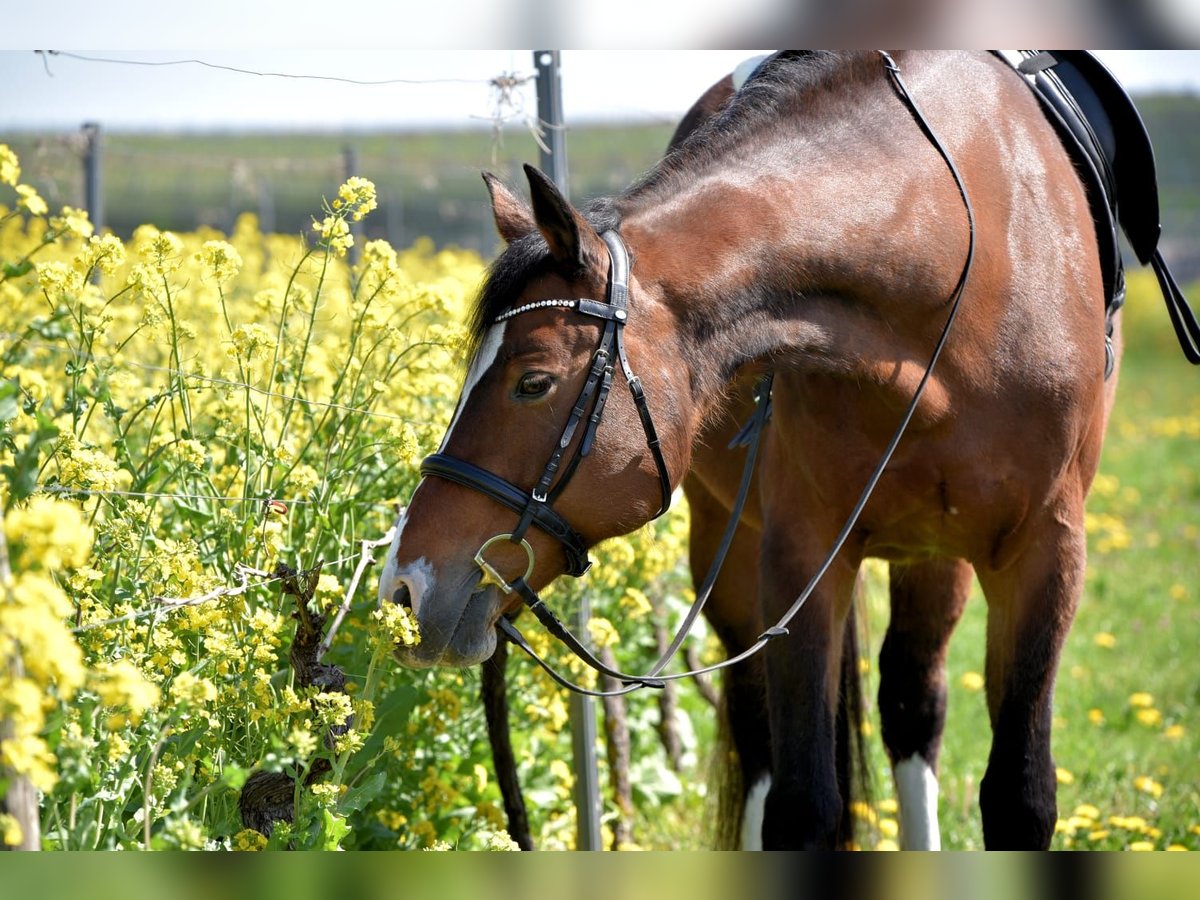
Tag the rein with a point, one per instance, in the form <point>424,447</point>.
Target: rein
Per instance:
<point>534,507</point>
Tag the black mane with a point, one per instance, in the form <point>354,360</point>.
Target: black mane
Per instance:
<point>768,96</point>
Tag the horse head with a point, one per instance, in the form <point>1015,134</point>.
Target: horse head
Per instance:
<point>548,451</point>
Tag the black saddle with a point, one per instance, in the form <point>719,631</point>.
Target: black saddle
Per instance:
<point>1105,136</point>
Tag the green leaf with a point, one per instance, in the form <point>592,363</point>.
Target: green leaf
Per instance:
<point>358,797</point>
<point>10,395</point>
<point>334,829</point>
<point>16,270</point>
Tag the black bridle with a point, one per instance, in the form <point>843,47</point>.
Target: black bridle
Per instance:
<point>535,507</point>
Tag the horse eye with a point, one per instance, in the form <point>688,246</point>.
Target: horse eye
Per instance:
<point>534,384</point>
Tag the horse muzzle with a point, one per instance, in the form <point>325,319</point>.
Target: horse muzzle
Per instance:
<point>455,619</point>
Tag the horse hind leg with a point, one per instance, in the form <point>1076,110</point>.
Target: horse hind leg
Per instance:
<point>1031,603</point>
<point>927,600</point>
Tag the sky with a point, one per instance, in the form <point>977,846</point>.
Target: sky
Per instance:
<point>61,92</point>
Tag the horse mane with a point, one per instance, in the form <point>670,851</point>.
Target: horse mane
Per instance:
<point>783,86</point>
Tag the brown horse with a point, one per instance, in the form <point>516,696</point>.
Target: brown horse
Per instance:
<point>807,228</point>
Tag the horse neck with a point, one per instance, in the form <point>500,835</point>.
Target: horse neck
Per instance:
<point>801,249</point>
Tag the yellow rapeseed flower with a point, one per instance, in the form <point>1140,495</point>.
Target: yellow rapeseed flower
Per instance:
<point>1096,716</point>
<point>121,684</point>
<point>1142,846</point>
<point>11,833</point>
<point>1105,640</point>
<point>887,844</point>
<point>220,259</point>
<point>10,166</point>
<point>1141,699</point>
<point>1064,776</point>
<point>248,840</point>
<point>30,201</point>
<point>1174,732</point>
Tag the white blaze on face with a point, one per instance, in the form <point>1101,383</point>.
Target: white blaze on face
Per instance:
<point>917,790</point>
<point>754,813</point>
<point>387,580</point>
<point>479,365</point>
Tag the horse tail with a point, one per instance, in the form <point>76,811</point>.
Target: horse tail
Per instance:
<point>726,782</point>
<point>853,771</point>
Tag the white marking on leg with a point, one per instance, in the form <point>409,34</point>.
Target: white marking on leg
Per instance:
<point>479,365</point>
<point>917,788</point>
<point>754,813</point>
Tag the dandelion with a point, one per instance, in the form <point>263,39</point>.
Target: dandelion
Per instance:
<point>1105,640</point>
<point>1149,717</point>
<point>1148,785</point>
<point>889,828</point>
<point>1174,732</point>
<point>1087,810</point>
<point>887,844</point>
<point>1177,592</point>
<point>1096,716</point>
<point>1064,776</point>
<point>1141,846</point>
<point>1141,699</point>
<point>972,681</point>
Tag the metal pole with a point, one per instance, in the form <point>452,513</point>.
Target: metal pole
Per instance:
<point>582,709</point>
<point>93,189</point>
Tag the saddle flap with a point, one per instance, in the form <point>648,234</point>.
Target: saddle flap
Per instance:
<point>1125,143</point>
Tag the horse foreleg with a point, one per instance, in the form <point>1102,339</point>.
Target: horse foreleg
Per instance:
<point>1031,603</point>
<point>927,600</point>
<point>733,612</point>
<point>804,805</point>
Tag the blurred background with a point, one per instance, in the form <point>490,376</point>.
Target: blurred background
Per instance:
<point>185,139</point>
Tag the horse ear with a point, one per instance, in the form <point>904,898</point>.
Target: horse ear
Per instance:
<point>573,242</point>
<point>513,219</point>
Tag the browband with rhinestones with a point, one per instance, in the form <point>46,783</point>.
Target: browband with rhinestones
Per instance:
<point>540,304</point>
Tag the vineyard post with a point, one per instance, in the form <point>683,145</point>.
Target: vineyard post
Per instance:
<point>93,175</point>
<point>553,161</point>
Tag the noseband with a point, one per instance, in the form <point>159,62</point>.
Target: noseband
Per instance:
<point>535,506</point>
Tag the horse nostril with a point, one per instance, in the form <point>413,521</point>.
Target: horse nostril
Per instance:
<point>403,596</point>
